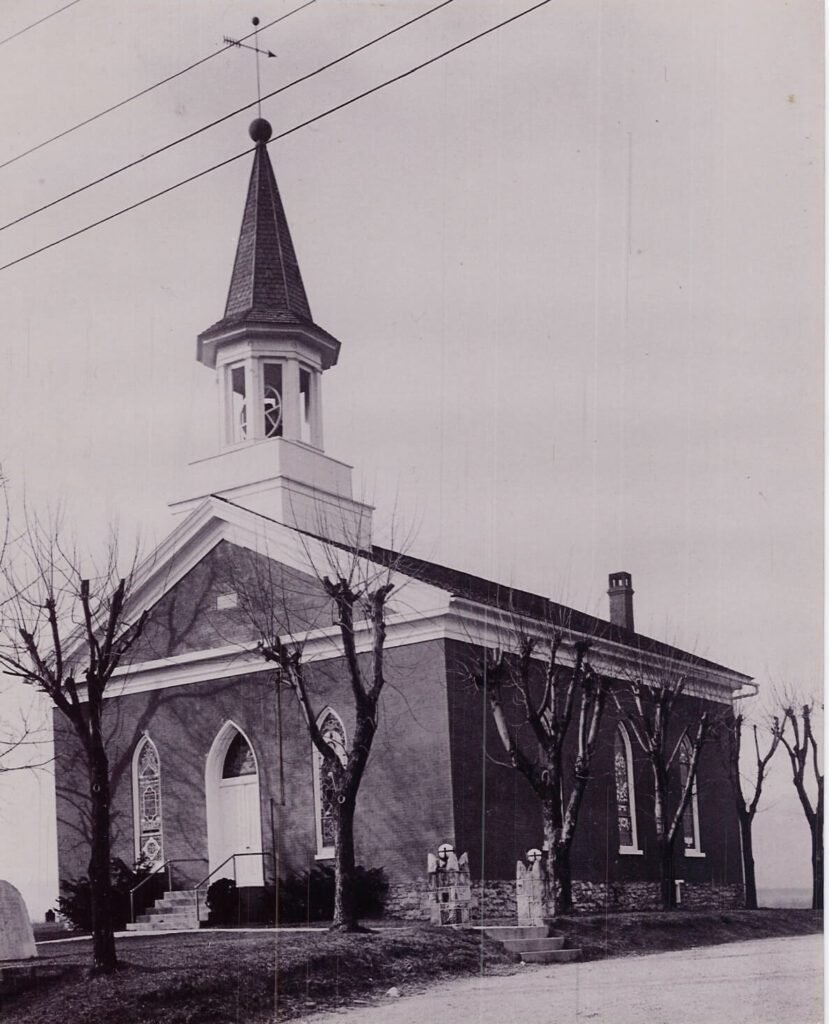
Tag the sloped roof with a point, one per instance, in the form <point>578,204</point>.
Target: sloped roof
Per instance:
<point>219,518</point>
<point>266,285</point>
<point>521,602</point>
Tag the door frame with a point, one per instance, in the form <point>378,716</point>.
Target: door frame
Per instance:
<point>214,765</point>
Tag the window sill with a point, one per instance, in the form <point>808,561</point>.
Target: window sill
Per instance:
<point>630,851</point>
<point>694,853</point>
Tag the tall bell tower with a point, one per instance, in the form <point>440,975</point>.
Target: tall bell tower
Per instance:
<point>269,357</point>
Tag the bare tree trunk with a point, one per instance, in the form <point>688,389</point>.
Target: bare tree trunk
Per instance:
<point>664,842</point>
<point>345,909</point>
<point>562,880</point>
<point>749,878</point>
<point>104,960</point>
<point>559,871</point>
<point>666,872</point>
<point>817,852</point>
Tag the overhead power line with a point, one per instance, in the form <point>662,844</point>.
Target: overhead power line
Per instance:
<point>282,135</point>
<point>142,92</point>
<point>39,21</point>
<point>220,120</point>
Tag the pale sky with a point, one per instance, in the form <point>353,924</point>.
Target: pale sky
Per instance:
<point>576,270</point>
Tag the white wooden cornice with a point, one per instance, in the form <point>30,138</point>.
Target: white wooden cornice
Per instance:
<point>451,619</point>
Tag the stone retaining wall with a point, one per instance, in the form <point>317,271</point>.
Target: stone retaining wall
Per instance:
<point>495,900</point>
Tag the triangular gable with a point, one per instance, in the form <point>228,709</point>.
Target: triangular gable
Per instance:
<point>188,583</point>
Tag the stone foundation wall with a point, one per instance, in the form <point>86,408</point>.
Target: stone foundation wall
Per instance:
<point>495,900</point>
<point>589,897</point>
<point>721,897</point>
<point>406,901</point>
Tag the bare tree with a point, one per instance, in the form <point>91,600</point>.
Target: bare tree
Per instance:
<point>66,632</point>
<point>22,739</point>
<point>794,729</point>
<point>284,607</point>
<point>747,793</point>
<point>546,707</point>
<point>648,712</point>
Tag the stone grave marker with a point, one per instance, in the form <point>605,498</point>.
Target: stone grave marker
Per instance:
<point>532,890</point>
<point>17,941</point>
<point>450,889</point>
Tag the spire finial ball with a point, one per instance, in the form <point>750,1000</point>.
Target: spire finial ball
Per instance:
<point>260,130</point>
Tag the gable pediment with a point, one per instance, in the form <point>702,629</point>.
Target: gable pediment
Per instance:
<point>227,576</point>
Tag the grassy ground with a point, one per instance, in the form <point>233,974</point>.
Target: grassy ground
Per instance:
<point>601,936</point>
<point>223,977</point>
<point>217,977</point>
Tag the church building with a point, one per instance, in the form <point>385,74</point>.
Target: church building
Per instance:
<point>213,770</point>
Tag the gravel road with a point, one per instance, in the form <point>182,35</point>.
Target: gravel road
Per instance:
<point>765,981</point>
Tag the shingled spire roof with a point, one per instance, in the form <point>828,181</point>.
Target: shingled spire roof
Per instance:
<point>266,286</point>
<point>266,282</point>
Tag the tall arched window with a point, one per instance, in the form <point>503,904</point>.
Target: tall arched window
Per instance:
<point>333,732</point>
<point>690,818</point>
<point>146,789</point>
<point>625,792</point>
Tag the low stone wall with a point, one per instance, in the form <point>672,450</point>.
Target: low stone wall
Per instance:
<point>597,896</point>
<point>589,897</point>
<point>495,900</point>
<point>709,895</point>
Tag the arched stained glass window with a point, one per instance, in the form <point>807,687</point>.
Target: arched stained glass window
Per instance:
<point>625,792</point>
<point>690,817</point>
<point>333,732</point>
<point>239,759</point>
<point>147,801</point>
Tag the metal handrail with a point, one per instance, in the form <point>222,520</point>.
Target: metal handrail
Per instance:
<point>232,857</point>
<point>154,874</point>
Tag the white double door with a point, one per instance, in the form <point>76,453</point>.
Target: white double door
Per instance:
<point>241,829</point>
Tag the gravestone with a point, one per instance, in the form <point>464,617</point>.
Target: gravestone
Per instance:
<point>450,888</point>
<point>532,891</point>
<point>17,941</point>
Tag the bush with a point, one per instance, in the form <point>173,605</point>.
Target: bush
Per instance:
<point>310,896</point>
<point>223,901</point>
<point>75,903</point>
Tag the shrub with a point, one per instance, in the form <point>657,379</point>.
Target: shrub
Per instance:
<point>223,901</point>
<point>75,901</point>
<point>310,896</point>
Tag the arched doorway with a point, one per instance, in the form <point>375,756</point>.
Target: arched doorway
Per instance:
<point>234,823</point>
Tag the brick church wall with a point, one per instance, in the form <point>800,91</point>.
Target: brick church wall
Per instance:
<point>404,808</point>
<point>498,818</point>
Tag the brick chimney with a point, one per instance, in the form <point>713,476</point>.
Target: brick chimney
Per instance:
<point>620,592</point>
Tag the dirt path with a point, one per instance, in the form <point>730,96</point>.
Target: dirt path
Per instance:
<point>766,981</point>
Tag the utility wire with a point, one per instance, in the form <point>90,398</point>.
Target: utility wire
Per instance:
<point>142,92</point>
<point>39,21</point>
<point>220,120</point>
<point>282,135</point>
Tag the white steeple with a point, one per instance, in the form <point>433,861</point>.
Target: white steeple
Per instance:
<point>269,357</point>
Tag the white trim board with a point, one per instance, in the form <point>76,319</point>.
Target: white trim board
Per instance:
<point>456,622</point>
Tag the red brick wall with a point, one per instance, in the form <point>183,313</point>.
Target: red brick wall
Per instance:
<point>404,808</point>
<point>497,814</point>
<point>187,618</point>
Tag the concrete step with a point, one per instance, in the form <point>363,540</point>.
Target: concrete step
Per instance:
<point>165,907</point>
<point>551,956</point>
<point>169,920</point>
<point>183,896</point>
<point>506,933</point>
<point>534,945</point>
<point>161,924</point>
<point>167,912</point>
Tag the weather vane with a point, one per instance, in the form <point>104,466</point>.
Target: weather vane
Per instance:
<point>257,50</point>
